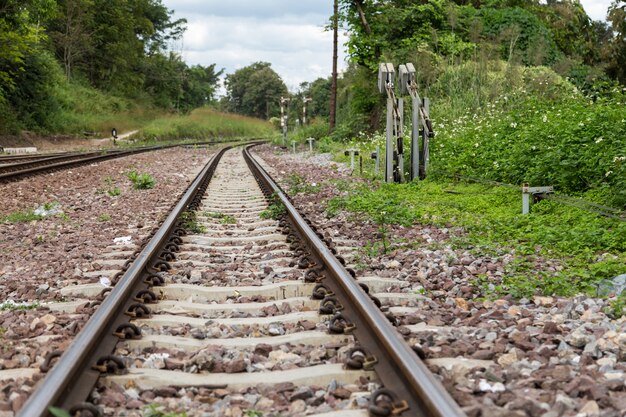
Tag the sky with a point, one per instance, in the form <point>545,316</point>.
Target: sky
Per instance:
<point>287,33</point>
<point>235,33</point>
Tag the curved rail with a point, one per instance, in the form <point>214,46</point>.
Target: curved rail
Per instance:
<point>399,368</point>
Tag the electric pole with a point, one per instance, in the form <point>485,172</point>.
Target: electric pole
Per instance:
<point>333,85</point>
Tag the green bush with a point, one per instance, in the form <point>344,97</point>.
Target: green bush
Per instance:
<point>573,144</point>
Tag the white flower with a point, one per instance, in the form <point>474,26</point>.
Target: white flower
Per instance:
<point>496,164</point>
<point>495,135</point>
<point>476,144</point>
<point>513,125</point>
<point>619,158</point>
<point>600,139</point>
<point>581,124</point>
<point>545,118</point>
<point>534,148</point>
<point>608,173</point>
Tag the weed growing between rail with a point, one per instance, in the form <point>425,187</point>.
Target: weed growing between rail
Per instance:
<point>586,249</point>
<point>275,210</point>
<point>141,181</point>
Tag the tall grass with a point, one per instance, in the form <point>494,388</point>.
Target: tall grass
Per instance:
<point>204,123</point>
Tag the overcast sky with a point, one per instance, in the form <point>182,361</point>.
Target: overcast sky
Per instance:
<point>287,33</point>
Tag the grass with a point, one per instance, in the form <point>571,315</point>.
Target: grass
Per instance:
<point>190,222</point>
<point>104,217</point>
<point>11,305</point>
<point>587,247</point>
<point>297,184</point>
<point>20,217</point>
<point>141,181</point>
<point>204,123</point>
<point>275,210</point>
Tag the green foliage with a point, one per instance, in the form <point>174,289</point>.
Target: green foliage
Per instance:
<point>205,123</point>
<point>618,307</point>
<point>589,248</point>
<point>275,210</point>
<point>141,181</point>
<point>104,217</point>
<point>190,222</point>
<point>13,306</point>
<point>58,412</point>
<point>20,217</point>
<point>571,144</point>
<point>298,184</point>
<point>254,91</point>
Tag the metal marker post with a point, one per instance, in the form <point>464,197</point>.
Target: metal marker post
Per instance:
<point>352,153</point>
<point>534,191</point>
<point>293,145</point>
<point>310,140</point>
<point>284,117</point>
<point>304,102</point>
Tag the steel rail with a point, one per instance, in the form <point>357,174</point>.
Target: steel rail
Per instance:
<point>398,366</point>
<point>10,158</point>
<point>12,175</point>
<point>45,160</point>
<point>72,378</point>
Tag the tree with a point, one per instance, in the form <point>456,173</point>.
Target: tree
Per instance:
<point>255,91</point>
<point>617,46</point>
<point>70,32</point>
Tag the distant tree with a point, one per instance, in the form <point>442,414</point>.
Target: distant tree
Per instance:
<point>255,91</point>
<point>319,92</point>
<point>617,48</point>
<point>21,32</point>
<point>71,32</point>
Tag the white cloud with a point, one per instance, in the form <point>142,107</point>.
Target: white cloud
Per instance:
<point>596,9</point>
<point>288,34</point>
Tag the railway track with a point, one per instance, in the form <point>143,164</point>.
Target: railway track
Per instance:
<point>10,159</point>
<point>44,163</point>
<point>236,303</point>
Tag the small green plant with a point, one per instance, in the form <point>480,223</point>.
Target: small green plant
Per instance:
<point>298,184</point>
<point>275,210</point>
<point>228,219</point>
<point>58,412</point>
<point>20,217</point>
<point>617,307</point>
<point>114,192</point>
<point>141,181</point>
<point>11,305</point>
<point>190,222</point>
<point>104,217</point>
<point>253,413</point>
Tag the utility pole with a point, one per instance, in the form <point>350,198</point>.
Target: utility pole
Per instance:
<point>333,86</point>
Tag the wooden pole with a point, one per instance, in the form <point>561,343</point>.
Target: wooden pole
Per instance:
<point>333,86</point>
